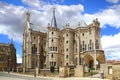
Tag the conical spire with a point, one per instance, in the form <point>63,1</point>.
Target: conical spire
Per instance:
<point>53,22</point>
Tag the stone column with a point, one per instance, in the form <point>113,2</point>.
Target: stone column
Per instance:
<point>95,59</point>
<point>38,67</point>
<point>12,69</point>
<point>24,70</point>
<point>17,69</point>
<point>37,71</point>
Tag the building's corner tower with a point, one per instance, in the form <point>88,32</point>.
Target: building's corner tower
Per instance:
<point>77,46</point>
<point>68,45</point>
<point>12,56</point>
<point>26,47</point>
<point>99,53</point>
<point>53,43</point>
<point>96,27</point>
<point>91,51</point>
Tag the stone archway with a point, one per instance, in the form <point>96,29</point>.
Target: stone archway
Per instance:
<point>88,62</point>
<point>100,59</point>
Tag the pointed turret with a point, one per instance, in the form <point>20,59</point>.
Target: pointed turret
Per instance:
<point>28,17</point>
<point>28,20</point>
<point>53,22</point>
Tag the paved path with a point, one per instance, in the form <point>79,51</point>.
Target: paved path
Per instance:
<point>95,76</point>
<point>14,76</point>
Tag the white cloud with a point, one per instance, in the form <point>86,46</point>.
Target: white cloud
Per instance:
<point>63,14</point>
<point>32,3</point>
<point>110,16</point>
<point>111,45</point>
<point>13,18</point>
<point>12,21</point>
<point>113,1</point>
<point>112,54</point>
<point>19,59</point>
<point>111,41</point>
<point>38,4</point>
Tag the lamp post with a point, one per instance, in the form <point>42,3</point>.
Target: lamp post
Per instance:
<point>24,66</point>
<point>44,69</point>
<point>9,60</point>
<point>34,51</point>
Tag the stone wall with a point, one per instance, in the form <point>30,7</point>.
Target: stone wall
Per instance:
<point>116,72</point>
<point>63,72</point>
<point>79,71</point>
<point>111,71</point>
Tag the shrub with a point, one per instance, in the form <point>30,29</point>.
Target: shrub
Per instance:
<point>52,69</point>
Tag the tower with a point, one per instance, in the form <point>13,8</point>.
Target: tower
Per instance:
<point>53,42</point>
<point>68,35</point>
<point>27,43</point>
<point>90,46</point>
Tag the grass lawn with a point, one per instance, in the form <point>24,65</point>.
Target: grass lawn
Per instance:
<point>90,73</point>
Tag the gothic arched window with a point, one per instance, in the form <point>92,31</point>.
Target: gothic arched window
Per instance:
<point>52,40</point>
<point>52,56</point>
<point>66,34</point>
<point>52,32</point>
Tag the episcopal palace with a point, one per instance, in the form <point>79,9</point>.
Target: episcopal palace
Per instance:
<point>66,47</point>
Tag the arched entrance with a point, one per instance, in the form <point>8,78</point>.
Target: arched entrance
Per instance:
<point>88,62</point>
<point>100,59</point>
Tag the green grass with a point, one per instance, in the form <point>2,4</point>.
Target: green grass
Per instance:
<point>49,74</point>
<point>90,73</point>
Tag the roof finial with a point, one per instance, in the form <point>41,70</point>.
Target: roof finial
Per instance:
<point>54,23</point>
<point>11,40</point>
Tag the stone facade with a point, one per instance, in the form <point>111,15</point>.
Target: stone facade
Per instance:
<point>111,71</point>
<point>79,71</point>
<point>63,72</point>
<point>7,57</point>
<point>59,48</point>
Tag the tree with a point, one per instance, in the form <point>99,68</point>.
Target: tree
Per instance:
<point>91,70</point>
<point>52,69</point>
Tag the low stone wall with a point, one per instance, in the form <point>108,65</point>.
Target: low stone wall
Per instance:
<point>111,71</point>
<point>79,71</point>
<point>116,72</point>
<point>63,72</point>
<point>41,72</point>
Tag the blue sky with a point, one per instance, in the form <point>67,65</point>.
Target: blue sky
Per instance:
<point>12,20</point>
